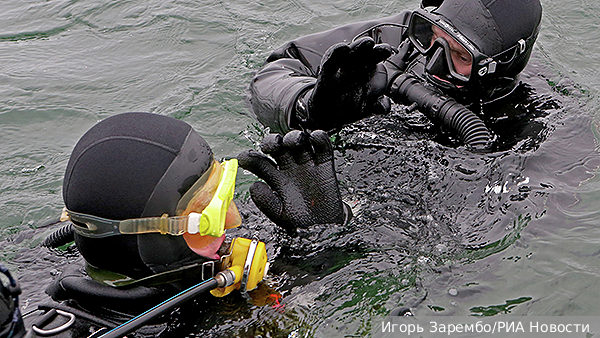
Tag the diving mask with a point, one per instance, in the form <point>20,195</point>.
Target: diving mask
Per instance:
<point>451,56</point>
<point>212,193</point>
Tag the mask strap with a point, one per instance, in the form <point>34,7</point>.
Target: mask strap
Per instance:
<point>210,222</point>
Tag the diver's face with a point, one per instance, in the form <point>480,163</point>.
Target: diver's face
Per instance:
<point>461,58</point>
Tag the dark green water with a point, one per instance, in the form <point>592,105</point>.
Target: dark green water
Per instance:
<point>441,230</point>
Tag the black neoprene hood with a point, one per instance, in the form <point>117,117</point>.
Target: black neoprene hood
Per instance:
<point>129,166</point>
<point>134,165</point>
<point>499,35</point>
<point>496,25</point>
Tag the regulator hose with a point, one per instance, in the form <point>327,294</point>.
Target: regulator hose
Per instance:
<point>222,279</point>
<point>62,236</point>
<point>409,89</point>
<point>141,320</point>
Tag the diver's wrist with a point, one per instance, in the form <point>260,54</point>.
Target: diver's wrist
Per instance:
<point>301,107</point>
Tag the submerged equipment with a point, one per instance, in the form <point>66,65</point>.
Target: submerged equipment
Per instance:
<point>64,235</point>
<point>247,266</point>
<point>11,322</point>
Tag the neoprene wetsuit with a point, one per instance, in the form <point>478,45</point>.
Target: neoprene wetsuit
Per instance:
<point>292,69</point>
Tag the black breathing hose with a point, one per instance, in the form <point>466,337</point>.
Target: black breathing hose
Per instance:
<point>408,89</point>
<point>60,237</point>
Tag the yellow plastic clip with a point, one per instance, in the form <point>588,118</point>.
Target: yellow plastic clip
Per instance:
<point>212,221</point>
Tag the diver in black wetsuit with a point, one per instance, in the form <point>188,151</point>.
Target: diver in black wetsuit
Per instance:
<point>131,171</point>
<point>11,323</point>
<point>450,58</point>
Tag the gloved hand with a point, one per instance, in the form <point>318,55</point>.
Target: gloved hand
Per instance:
<point>350,85</point>
<point>397,63</point>
<point>301,188</point>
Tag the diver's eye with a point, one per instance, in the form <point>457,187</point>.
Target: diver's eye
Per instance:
<point>461,58</point>
<point>465,59</point>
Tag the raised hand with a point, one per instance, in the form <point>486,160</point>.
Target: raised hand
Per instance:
<point>351,84</point>
<point>300,187</point>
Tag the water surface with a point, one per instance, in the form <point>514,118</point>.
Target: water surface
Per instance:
<point>438,229</point>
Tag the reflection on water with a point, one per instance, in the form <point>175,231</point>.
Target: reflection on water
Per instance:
<point>437,229</point>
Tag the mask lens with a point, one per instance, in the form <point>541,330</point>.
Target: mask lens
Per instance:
<point>438,61</point>
<point>217,185</point>
<point>448,60</point>
<point>421,33</point>
<point>200,194</point>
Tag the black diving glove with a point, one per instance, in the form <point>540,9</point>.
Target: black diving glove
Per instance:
<point>397,63</point>
<point>301,188</point>
<point>351,84</point>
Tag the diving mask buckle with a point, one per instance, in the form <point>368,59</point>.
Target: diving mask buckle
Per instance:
<point>193,223</point>
<point>522,46</point>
